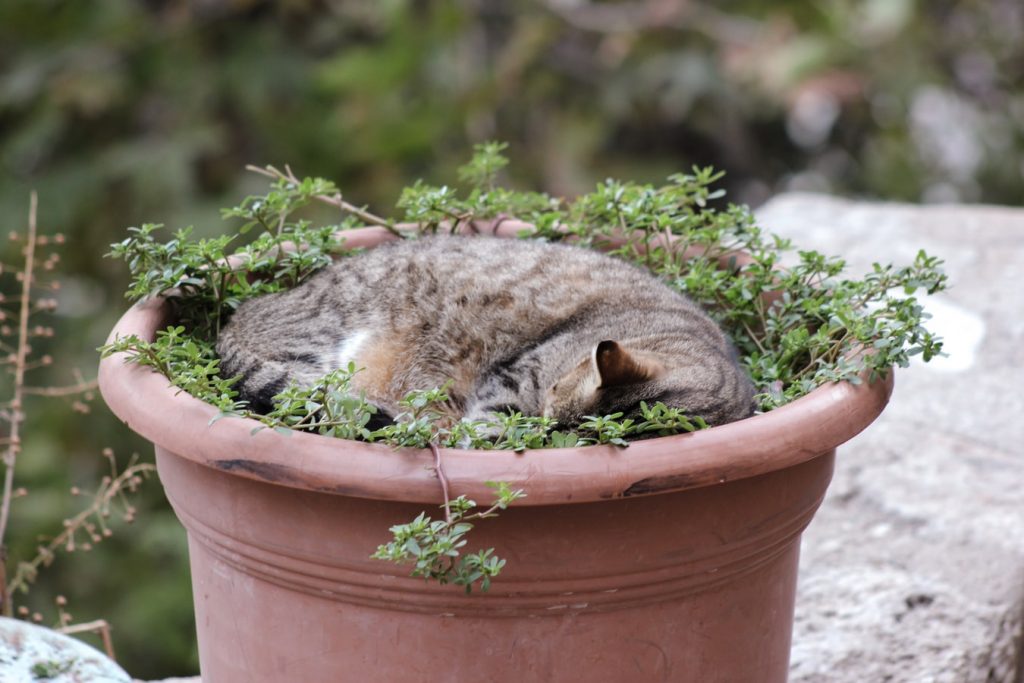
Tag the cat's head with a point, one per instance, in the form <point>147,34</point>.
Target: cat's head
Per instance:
<point>610,379</point>
<point>616,378</point>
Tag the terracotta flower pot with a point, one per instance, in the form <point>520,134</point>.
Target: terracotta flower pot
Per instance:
<point>672,560</point>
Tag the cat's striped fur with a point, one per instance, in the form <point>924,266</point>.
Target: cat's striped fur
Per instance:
<point>542,328</point>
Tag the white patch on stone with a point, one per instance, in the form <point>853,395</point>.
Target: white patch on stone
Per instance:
<point>25,647</point>
<point>961,330</point>
<point>349,349</point>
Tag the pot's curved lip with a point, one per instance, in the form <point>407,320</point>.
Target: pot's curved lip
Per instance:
<point>797,432</point>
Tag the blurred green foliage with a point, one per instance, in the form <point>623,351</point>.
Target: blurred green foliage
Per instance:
<point>127,111</point>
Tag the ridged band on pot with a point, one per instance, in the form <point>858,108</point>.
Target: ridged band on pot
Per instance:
<point>525,587</point>
<point>669,587</point>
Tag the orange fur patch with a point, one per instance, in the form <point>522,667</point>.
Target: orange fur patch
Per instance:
<point>377,358</point>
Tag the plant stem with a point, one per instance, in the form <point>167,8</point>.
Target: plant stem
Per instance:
<point>102,499</point>
<point>16,415</point>
<point>336,200</point>
<point>439,468</point>
<point>101,626</point>
<point>483,515</point>
<point>753,337</point>
<point>69,390</point>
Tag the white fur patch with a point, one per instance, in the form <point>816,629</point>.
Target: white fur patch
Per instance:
<point>348,350</point>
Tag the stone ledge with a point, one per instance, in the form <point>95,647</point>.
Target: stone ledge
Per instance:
<point>913,569</point>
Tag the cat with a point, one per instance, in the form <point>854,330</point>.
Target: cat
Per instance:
<point>535,327</point>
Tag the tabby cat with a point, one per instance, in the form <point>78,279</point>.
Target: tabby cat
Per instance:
<point>540,328</point>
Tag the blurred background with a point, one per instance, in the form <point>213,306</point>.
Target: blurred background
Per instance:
<point>128,111</point>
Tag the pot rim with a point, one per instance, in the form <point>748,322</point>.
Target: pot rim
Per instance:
<point>178,422</point>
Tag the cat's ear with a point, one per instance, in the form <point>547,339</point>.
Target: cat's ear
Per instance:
<point>617,367</point>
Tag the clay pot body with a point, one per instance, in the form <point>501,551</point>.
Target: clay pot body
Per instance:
<point>672,560</point>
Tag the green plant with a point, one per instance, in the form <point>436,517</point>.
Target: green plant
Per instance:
<point>210,284</point>
<point>796,327</point>
<point>435,546</point>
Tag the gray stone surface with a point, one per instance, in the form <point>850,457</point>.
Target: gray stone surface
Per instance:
<point>31,653</point>
<point>913,569</point>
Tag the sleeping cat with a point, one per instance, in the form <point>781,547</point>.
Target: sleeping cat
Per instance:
<point>541,328</point>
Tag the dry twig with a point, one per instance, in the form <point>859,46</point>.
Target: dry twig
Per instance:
<point>16,416</point>
<point>443,478</point>
<point>334,200</point>
<point>100,626</point>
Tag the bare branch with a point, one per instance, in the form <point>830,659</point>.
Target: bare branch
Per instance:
<point>69,390</point>
<point>101,626</point>
<point>335,200</point>
<point>111,489</point>
<point>16,415</point>
<point>443,478</point>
